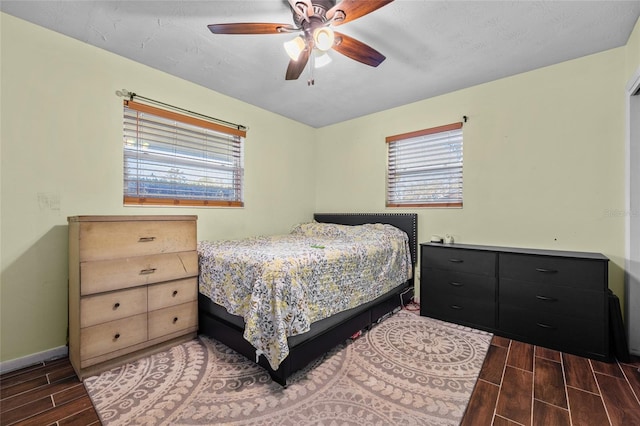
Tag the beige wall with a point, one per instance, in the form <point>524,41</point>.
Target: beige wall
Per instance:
<point>544,163</point>
<point>633,52</point>
<point>543,160</point>
<point>61,156</point>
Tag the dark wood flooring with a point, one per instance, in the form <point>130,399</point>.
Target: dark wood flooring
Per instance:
<point>522,384</point>
<point>45,394</point>
<point>519,384</point>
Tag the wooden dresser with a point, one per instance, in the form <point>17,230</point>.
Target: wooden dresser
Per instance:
<point>132,287</point>
<point>555,299</point>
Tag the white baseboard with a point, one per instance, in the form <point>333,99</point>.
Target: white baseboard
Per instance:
<point>29,360</point>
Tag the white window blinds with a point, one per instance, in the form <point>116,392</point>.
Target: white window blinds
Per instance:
<point>425,168</point>
<point>175,159</point>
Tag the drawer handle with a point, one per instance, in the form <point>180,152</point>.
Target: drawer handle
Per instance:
<point>546,271</point>
<point>147,271</point>
<point>175,293</point>
<point>547,326</point>
<point>455,284</point>
<point>175,320</point>
<point>146,239</point>
<point>456,260</point>
<point>456,307</point>
<point>116,306</point>
<point>546,299</point>
<point>117,336</point>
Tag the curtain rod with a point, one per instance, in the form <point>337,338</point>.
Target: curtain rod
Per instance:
<point>126,94</point>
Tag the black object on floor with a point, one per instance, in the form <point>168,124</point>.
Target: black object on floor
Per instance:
<point>619,346</point>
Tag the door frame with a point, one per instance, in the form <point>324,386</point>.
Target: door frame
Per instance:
<point>632,106</point>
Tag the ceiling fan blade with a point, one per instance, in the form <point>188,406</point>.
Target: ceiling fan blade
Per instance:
<point>251,28</point>
<point>295,68</point>
<point>354,9</point>
<point>357,50</point>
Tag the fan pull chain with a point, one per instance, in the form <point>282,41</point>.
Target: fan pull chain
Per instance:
<point>311,63</point>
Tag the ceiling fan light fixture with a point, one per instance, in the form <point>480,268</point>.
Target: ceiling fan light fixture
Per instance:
<point>323,38</point>
<point>294,47</point>
<point>321,60</point>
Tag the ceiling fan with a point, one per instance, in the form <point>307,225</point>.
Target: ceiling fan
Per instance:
<point>314,20</point>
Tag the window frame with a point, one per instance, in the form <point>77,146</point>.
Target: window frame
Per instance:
<point>392,173</point>
<point>236,136</point>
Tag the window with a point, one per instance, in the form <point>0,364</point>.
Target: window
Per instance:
<point>176,159</point>
<point>425,168</point>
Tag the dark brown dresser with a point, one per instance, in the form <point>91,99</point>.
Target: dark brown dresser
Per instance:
<point>550,298</point>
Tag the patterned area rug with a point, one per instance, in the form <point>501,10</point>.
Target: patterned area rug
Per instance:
<point>407,370</point>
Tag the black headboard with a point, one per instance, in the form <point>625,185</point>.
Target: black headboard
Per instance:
<point>408,222</point>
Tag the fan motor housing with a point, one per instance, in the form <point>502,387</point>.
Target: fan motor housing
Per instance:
<point>320,8</point>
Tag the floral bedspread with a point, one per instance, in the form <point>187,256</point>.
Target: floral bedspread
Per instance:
<point>281,284</point>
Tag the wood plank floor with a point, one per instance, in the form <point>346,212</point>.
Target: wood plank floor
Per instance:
<point>519,384</point>
<point>45,394</point>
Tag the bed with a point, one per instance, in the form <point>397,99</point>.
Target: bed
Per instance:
<point>243,305</point>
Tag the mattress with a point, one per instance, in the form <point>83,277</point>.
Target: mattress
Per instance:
<point>281,284</point>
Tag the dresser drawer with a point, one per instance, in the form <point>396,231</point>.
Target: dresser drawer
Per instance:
<point>553,298</point>
<point>106,307</point>
<point>112,336</point>
<point>555,331</point>
<point>173,293</point>
<point>581,273</point>
<point>117,239</point>
<point>115,274</point>
<point>460,260</point>
<point>173,319</point>
<point>438,281</point>
<point>459,309</point>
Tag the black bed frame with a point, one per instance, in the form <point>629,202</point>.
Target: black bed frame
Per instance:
<point>327,333</point>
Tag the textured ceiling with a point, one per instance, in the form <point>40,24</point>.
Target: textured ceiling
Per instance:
<point>432,47</point>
